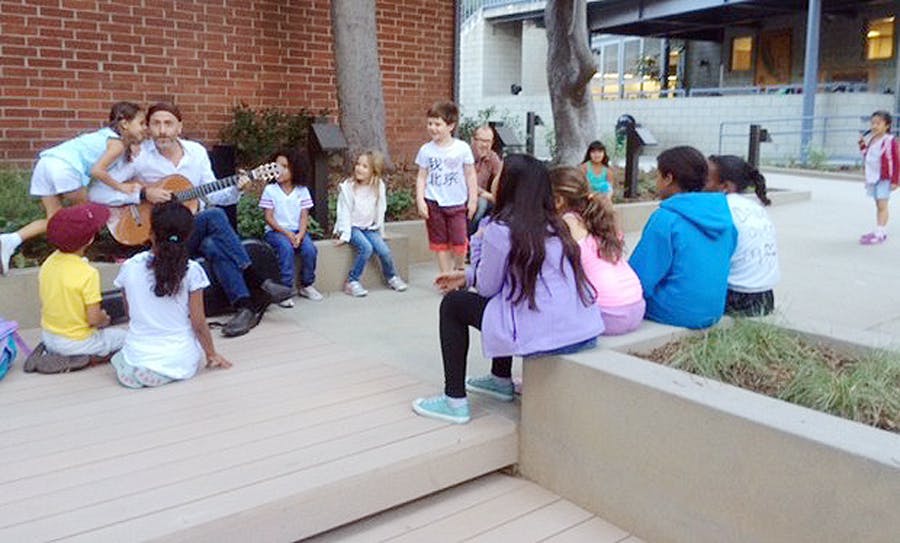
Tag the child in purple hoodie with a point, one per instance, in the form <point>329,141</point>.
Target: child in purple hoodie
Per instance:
<point>532,296</point>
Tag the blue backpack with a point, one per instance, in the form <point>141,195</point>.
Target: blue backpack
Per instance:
<point>10,341</point>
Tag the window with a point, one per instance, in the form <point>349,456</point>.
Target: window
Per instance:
<point>741,54</point>
<point>880,39</point>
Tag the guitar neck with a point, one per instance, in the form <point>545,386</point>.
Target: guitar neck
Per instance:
<point>207,188</point>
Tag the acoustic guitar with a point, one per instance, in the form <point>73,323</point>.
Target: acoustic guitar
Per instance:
<point>130,225</point>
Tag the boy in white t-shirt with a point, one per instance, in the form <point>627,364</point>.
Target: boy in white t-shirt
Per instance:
<point>446,187</point>
<point>286,206</point>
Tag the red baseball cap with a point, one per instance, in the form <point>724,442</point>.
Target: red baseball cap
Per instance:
<point>71,228</point>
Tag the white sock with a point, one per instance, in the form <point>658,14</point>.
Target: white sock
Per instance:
<point>456,403</point>
<point>881,231</point>
<point>13,239</point>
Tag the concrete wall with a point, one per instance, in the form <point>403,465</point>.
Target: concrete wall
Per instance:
<point>676,458</point>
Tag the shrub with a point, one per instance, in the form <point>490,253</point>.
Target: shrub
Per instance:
<point>399,202</point>
<point>467,125</point>
<point>17,206</point>
<point>257,133</point>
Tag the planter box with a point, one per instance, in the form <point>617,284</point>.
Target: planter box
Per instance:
<point>674,457</point>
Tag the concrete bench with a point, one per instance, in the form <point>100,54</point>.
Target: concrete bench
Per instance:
<point>19,299</point>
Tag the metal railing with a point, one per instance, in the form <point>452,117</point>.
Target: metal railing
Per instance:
<point>790,126</point>
<point>835,86</point>
<point>468,8</point>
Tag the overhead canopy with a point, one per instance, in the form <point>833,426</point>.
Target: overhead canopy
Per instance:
<point>699,19</point>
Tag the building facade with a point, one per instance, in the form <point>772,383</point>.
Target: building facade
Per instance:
<point>62,64</point>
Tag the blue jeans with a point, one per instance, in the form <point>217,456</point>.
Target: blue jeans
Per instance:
<point>215,240</point>
<point>366,242</point>
<point>285,253</point>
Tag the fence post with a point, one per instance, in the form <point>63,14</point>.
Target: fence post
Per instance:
<point>753,151</point>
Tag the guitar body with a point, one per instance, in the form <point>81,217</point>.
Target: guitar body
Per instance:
<point>133,224</point>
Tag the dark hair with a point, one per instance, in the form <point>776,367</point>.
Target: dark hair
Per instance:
<point>171,224</point>
<point>525,205</point>
<point>595,209</point>
<point>686,165</point>
<point>596,145</point>
<point>740,172</point>
<point>164,106</point>
<point>885,116</point>
<point>448,111</point>
<point>122,111</point>
<point>298,162</point>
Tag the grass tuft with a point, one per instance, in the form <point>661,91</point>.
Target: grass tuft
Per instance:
<point>764,358</point>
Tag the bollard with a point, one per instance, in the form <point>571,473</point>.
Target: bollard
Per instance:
<point>324,138</point>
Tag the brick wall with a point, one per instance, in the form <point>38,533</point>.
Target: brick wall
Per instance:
<point>63,62</point>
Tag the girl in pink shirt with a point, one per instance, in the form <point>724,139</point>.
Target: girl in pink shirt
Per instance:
<point>592,222</point>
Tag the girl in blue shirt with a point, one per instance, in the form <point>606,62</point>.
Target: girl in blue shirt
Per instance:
<point>596,168</point>
<point>62,172</point>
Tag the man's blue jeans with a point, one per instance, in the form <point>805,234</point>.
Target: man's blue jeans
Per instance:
<point>215,240</point>
<point>285,253</point>
<point>366,242</point>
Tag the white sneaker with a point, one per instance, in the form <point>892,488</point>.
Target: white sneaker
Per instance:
<point>397,284</point>
<point>355,289</point>
<point>311,293</point>
<point>7,248</point>
<point>289,303</point>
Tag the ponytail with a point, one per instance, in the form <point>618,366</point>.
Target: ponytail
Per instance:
<point>759,186</point>
<point>741,174</point>
<point>171,224</point>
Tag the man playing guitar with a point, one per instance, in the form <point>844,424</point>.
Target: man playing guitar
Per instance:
<point>166,154</point>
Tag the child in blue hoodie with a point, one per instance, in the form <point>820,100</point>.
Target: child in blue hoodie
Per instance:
<point>683,257</point>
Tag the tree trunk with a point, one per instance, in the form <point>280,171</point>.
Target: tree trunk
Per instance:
<point>570,67</point>
<point>360,96</point>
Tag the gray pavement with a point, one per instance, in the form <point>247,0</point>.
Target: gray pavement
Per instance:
<point>828,279</point>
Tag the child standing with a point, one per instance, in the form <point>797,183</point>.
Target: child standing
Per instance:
<point>167,334</point>
<point>881,162</point>
<point>754,264</point>
<point>286,206</point>
<point>596,167</point>
<point>72,321</point>
<point>592,223</point>
<point>63,172</point>
<point>361,205</point>
<point>446,187</point>
<point>685,250</point>
<point>532,296</point>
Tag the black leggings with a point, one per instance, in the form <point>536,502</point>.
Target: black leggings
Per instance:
<point>459,310</point>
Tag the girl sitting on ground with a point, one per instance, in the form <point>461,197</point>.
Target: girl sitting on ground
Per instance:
<point>361,205</point>
<point>62,172</point>
<point>754,264</point>
<point>163,290</point>
<point>531,297</point>
<point>596,168</point>
<point>286,206</point>
<point>685,249</point>
<point>592,223</point>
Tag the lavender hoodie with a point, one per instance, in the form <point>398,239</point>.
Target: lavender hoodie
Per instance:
<point>560,319</point>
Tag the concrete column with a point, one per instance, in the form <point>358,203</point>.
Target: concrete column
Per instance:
<point>810,76</point>
<point>621,67</point>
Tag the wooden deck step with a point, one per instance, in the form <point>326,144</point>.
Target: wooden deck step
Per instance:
<point>300,437</point>
<point>492,508</point>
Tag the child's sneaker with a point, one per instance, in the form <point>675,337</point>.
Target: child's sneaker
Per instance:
<point>310,293</point>
<point>437,407</point>
<point>873,238</point>
<point>7,248</point>
<point>355,289</point>
<point>489,386</point>
<point>289,303</point>
<point>397,284</point>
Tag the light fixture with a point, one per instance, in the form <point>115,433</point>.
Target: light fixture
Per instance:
<point>515,89</point>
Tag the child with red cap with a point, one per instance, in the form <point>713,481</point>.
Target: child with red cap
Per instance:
<point>72,320</point>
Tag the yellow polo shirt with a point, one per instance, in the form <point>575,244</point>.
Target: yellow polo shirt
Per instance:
<point>67,284</point>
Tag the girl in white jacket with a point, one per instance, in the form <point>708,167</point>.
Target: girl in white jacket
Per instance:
<point>362,202</point>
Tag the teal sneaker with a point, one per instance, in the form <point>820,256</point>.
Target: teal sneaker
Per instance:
<point>437,407</point>
<point>489,386</point>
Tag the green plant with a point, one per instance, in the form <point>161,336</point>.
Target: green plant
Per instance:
<point>467,125</point>
<point>251,222</point>
<point>17,207</point>
<point>647,66</point>
<point>761,357</point>
<point>399,201</point>
<point>257,133</point>
<point>817,159</point>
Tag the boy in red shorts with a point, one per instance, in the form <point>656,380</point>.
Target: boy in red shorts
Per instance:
<point>446,188</point>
